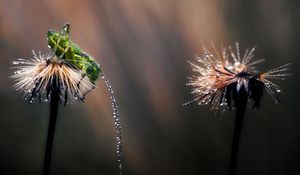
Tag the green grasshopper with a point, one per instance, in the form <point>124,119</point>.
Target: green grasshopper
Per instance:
<point>64,48</point>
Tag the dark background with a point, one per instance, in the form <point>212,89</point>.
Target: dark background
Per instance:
<point>143,46</point>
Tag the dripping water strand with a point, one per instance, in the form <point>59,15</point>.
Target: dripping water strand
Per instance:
<point>117,124</point>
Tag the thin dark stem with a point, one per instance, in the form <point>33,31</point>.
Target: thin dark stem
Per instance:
<point>241,103</point>
<point>54,102</point>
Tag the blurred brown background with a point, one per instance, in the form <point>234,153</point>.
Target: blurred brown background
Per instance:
<point>143,46</point>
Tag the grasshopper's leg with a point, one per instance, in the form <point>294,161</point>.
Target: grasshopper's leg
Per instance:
<point>69,54</point>
<point>65,32</point>
<point>56,44</point>
<point>67,50</point>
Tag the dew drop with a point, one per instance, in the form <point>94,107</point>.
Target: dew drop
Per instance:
<point>223,104</point>
<point>17,72</point>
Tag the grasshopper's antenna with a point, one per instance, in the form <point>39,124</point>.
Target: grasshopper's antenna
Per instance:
<point>66,30</point>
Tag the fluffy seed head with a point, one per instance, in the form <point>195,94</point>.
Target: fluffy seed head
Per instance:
<point>220,76</point>
<point>42,75</point>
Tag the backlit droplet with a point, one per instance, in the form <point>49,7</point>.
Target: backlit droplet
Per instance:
<point>18,72</point>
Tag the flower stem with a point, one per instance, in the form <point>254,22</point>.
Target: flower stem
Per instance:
<point>241,103</point>
<point>54,102</point>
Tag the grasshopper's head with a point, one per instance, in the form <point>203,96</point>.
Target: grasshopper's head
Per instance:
<point>51,34</point>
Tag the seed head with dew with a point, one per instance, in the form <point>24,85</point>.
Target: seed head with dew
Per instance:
<point>220,75</point>
<point>37,78</point>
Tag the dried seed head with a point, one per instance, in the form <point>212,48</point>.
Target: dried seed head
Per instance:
<point>220,77</point>
<point>42,75</point>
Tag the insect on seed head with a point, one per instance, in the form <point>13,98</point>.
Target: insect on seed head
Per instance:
<point>37,77</point>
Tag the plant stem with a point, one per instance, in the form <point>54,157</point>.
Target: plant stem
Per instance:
<point>54,102</point>
<point>241,103</point>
